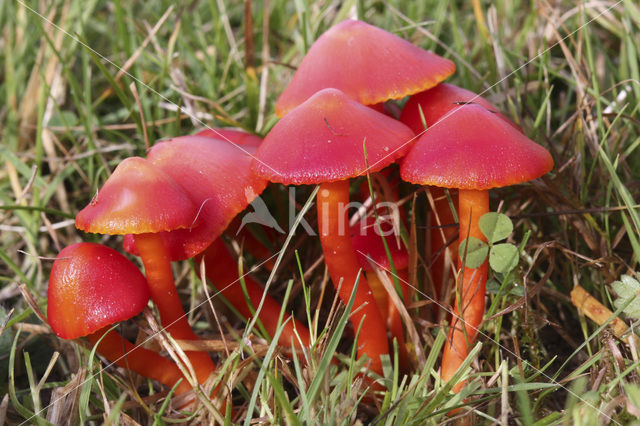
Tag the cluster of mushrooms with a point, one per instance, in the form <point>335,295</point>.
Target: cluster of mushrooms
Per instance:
<point>334,126</point>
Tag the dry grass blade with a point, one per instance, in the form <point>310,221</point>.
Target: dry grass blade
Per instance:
<point>406,318</point>
<point>31,301</point>
<point>64,409</point>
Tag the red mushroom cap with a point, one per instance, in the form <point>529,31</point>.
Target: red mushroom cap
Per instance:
<point>368,246</point>
<point>92,286</point>
<point>321,140</point>
<point>474,149</point>
<point>217,177</point>
<point>238,137</point>
<point>137,198</point>
<point>367,63</point>
<point>438,101</point>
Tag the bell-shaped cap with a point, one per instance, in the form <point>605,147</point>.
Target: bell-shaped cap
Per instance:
<point>474,149</point>
<point>93,286</point>
<point>366,238</point>
<point>367,63</point>
<point>248,141</point>
<point>217,177</point>
<point>137,198</point>
<point>436,102</point>
<point>323,139</point>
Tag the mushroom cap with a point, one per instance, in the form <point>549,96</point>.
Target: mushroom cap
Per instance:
<point>438,101</point>
<point>137,198</point>
<point>368,246</point>
<point>92,286</point>
<point>321,140</point>
<point>217,177</point>
<point>235,136</point>
<point>474,149</point>
<point>367,63</point>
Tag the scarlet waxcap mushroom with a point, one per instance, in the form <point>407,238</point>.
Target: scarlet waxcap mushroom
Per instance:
<point>322,139</point>
<point>217,177</point>
<point>368,64</point>
<point>436,102</point>
<point>140,199</point>
<point>473,149</point>
<point>137,198</point>
<point>427,109</point>
<point>92,286</point>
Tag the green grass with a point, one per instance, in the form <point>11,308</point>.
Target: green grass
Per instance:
<point>68,117</point>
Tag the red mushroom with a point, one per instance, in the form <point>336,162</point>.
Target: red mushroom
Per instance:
<point>321,141</point>
<point>216,175</point>
<point>92,287</point>
<point>366,63</point>
<point>140,199</point>
<point>426,109</point>
<point>472,150</point>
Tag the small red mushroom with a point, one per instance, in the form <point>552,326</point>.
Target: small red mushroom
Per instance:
<point>140,199</point>
<point>92,287</point>
<point>321,142</point>
<point>426,109</point>
<point>472,150</point>
<point>216,176</point>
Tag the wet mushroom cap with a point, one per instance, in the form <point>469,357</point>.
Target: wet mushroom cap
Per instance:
<point>368,64</point>
<point>322,140</point>
<point>137,198</point>
<point>436,102</point>
<point>90,287</point>
<point>217,177</point>
<point>474,149</point>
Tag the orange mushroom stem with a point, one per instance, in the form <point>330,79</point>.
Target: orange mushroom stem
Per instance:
<point>469,306</point>
<point>157,267</point>
<point>221,271</point>
<point>343,266</point>
<point>145,362</point>
<point>372,255</point>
